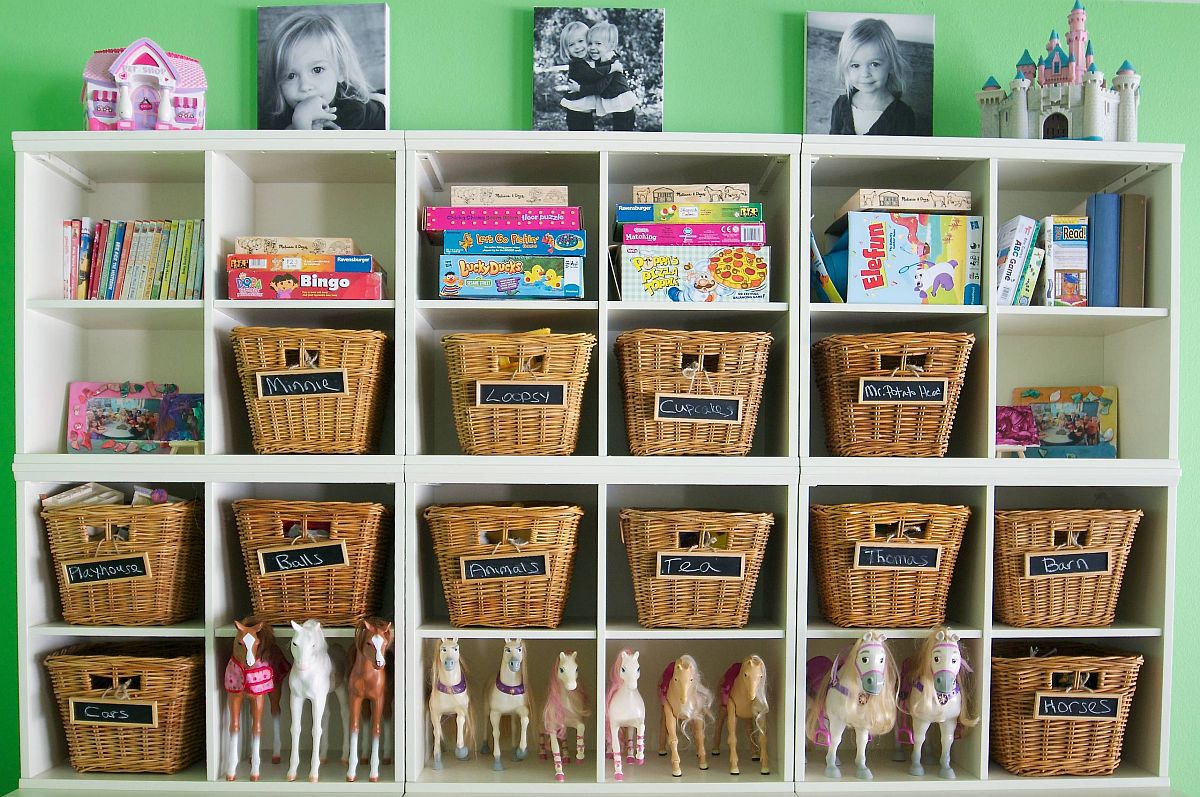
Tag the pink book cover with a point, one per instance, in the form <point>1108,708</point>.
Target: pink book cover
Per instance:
<point>305,286</point>
<point>694,234</point>
<point>513,218</point>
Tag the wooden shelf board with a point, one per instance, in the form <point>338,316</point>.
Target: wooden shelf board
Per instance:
<point>190,629</point>
<point>123,314</point>
<point>1073,321</point>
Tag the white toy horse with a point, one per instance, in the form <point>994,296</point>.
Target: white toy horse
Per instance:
<point>315,675</point>
<point>448,696</point>
<point>856,690</point>
<point>931,693</point>
<point>685,700</point>
<point>508,696</point>
<point>625,709</point>
<point>566,707</point>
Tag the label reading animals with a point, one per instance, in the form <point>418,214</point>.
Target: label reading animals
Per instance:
<point>125,567</point>
<point>901,390</point>
<point>134,713</point>
<point>691,408</point>
<point>507,393</point>
<point>1068,562</point>
<point>1077,706</point>
<point>510,567</point>
<point>896,556</point>
<point>287,558</point>
<point>306,382</point>
<point>701,565</point>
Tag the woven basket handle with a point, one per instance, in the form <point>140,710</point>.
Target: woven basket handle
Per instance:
<point>108,533</point>
<point>524,364</point>
<point>1071,541</point>
<point>305,534</point>
<point>306,362</point>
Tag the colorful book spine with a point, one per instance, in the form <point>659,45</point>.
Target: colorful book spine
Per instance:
<point>670,213</point>
<point>1133,250</point>
<point>151,262</point>
<point>514,242</point>
<point>185,268</point>
<point>117,233</point>
<point>1014,240</point>
<point>694,234</point>
<point>438,219</point>
<point>86,233</point>
<point>973,290</point>
<point>185,257</point>
<point>197,282</point>
<point>1065,239</point>
<point>101,248</point>
<point>1104,250</point>
<point>125,276</point>
<point>277,262</point>
<point>68,282</point>
<point>160,275</point>
<point>173,274</point>
<point>123,261</point>
<point>1029,279</point>
<point>824,288</point>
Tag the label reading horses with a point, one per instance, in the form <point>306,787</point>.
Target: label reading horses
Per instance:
<point>1077,706</point>
<point>125,567</point>
<point>126,713</point>
<point>302,382</point>
<point>503,393</point>
<point>690,408</point>
<point>510,567</point>
<point>897,556</point>
<point>701,565</point>
<point>901,390</point>
<point>1068,562</point>
<point>287,558</point>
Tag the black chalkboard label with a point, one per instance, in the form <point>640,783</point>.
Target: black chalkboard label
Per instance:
<point>302,382</point>
<point>506,393</point>
<point>126,713</point>
<point>690,408</point>
<point>125,567</point>
<point>1068,562</point>
<point>509,567</point>
<point>897,556</point>
<point>290,558</point>
<point>901,390</point>
<point>1077,706</point>
<point>701,565</point>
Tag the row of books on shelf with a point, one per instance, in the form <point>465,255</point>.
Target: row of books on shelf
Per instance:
<point>144,259</point>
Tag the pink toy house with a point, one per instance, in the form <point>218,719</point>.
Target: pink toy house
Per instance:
<point>143,87</point>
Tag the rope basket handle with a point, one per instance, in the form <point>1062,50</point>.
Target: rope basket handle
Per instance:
<point>108,534</point>
<point>306,534</point>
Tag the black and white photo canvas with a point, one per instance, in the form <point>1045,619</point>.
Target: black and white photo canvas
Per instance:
<point>598,68</point>
<point>323,67</point>
<point>868,74</point>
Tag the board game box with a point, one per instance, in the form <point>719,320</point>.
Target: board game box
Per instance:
<point>514,242</point>
<point>695,273</point>
<point>915,258</point>
<point>511,277</point>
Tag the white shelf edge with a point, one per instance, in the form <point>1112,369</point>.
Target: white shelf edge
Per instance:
<point>187,630</point>
<point>846,308</point>
<point>631,630</point>
<point>225,305</point>
<point>696,307</point>
<point>1117,631</point>
<point>820,629</point>
<point>439,630</point>
<point>507,305</point>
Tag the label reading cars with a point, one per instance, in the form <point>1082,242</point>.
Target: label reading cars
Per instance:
<point>301,382</point>
<point>691,408</point>
<point>287,558</point>
<point>1068,562</point>
<point>701,565</point>
<point>125,567</point>
<point>507,393</point>
<point>135,713</point>
<point>1077,706</point>
<point>509,567</point>
<point>897,556</point>
<point>901,390</point>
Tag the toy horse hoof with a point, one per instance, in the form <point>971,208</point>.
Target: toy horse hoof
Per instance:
<point>764,772</point>
<point>231,778</point>
<point>560,777</point>
<point>677,774</point>
<point>374,778</point>
<point>291,776</point>
<point>864,773</point>
<point>437,764</point>
<point>520,753</point>
<point>255,778</point>
<point>461,753</point>
<point>947,773</point>
<point>734,771</point>
<point>350,778</point>
<point>497,766</point>
<point>898,755</point>
<point>703,767</point>
<point>618,777</point>
<point>313,778</point>
<point>275,759</point>
<point>916,770</point>
<point>833,772</point>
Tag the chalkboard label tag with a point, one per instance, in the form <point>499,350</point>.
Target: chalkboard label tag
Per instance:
<point>902,390</point>
<point>507,393</point>
<point>107,569</point>
<point>292,558</point>
<point>509,567</point>
<point>121,713</point>
<point>897,556</point>
<point>1068,562</point>
<point>1077,706</point>
<point>691,408</point>
<point>701,565</point>
<point>302,382</point>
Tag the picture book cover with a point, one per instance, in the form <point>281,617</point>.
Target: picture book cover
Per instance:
<point>132,418</point>
<point>914,258</point>
<point>1074,422</point>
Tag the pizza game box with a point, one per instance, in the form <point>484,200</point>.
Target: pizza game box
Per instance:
<point>695,273</point>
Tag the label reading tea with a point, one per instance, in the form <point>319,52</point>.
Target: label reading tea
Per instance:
<point>125,567</point>
<point>309,382</point>
<point>135,713</point>
<point>532,394</point>
<point>901,390</point>
<point>511,567</point>
<point>701,565</point>
<point>690,408</point>
<point>1077,706</point>
<point>288,558</point>
<point>1068,562</point>
<point>896,556</point>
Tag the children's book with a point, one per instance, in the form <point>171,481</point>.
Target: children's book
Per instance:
<point>1013,242</point>
<point>914,258</point>
<point>823,287</point>
<point>1065,239</point>
<point>1074,422</point>
<point>1029,277</point>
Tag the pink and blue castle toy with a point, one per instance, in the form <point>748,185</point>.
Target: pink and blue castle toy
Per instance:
<point>143,87</point>
<point>1063,95</point>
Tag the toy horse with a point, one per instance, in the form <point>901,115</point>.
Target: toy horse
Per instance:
<point>684,699</point>
<point>256,669</point>
<point>314,677</point>
<point>931,693</point>
<point>369,663</point>
<point>856,690</point>
<point>508,696</point>
<point>744,697</point>
<point>448,696</point>
<point>625,709</point>
<point>566,707</point>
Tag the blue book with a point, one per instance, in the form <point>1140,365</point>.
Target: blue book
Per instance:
<point>115,263</point>
<point>1104,250</point>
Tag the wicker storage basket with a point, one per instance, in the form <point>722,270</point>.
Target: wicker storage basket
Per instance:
<point>313,424</point>
<point>168,534</point>
<point>336,596</point>
<point>169,675</point>
<point>1024,744</point>
<point>1078,599</point>
<point>495,530</point>
<point>524,358</point>
<point>858,597</point>
<point>854,429</point>
<point>691,363</point>
<point>693,602</point>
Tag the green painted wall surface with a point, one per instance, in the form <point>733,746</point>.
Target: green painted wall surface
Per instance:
<point>730,67</point>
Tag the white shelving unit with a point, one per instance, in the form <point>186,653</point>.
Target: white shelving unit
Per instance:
<point>370,186</point>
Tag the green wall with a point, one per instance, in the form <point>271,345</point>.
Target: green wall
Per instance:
<point>731,66</point>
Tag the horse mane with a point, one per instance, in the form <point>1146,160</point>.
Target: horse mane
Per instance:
<point>812,717</point>
<point>758,701</point>
<point>361,635</point>
<point>436,663</point>
<point>879,711</point>
<point>699,703</point>
<point>967,715</point>
<point>561,704</point>
<point>614,675</point>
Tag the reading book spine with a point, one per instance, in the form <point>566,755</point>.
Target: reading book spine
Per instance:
<point>173,273</point>
<point>197,273</point>
<point>189,228</point>
<point>83,274</point>
<point>1133,250</point>
<point>68,284</point>
<point>1104,250</point>
<point>151,262</point>
<point>129,260</point>
<point>103,254</point>
<point>156,292</point>
<point>114,262</point>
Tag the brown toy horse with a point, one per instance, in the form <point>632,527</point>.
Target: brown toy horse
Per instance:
<point>256,669</point>
<point>370,666</point>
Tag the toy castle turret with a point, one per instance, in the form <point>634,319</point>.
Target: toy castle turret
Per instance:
<point>1063,94</point>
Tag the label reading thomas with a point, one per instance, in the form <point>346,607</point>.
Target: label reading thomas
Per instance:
<point>125,567</point>
<point>701,565</point>
<point>1068,562</point>
<point>1077,706</point>
<point>302,382</point>
<point>289,558</point>
<point>506,393</point>
<point>691,408</point>
<point>901,390</point>
<point>897,556</point>
<point>510,567</point>
<point>126,713</point>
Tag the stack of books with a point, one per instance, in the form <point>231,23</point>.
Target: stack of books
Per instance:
<point>301,269</point>
<point>685,247</point>
<point>137,260</point>
<point>508,242</point>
